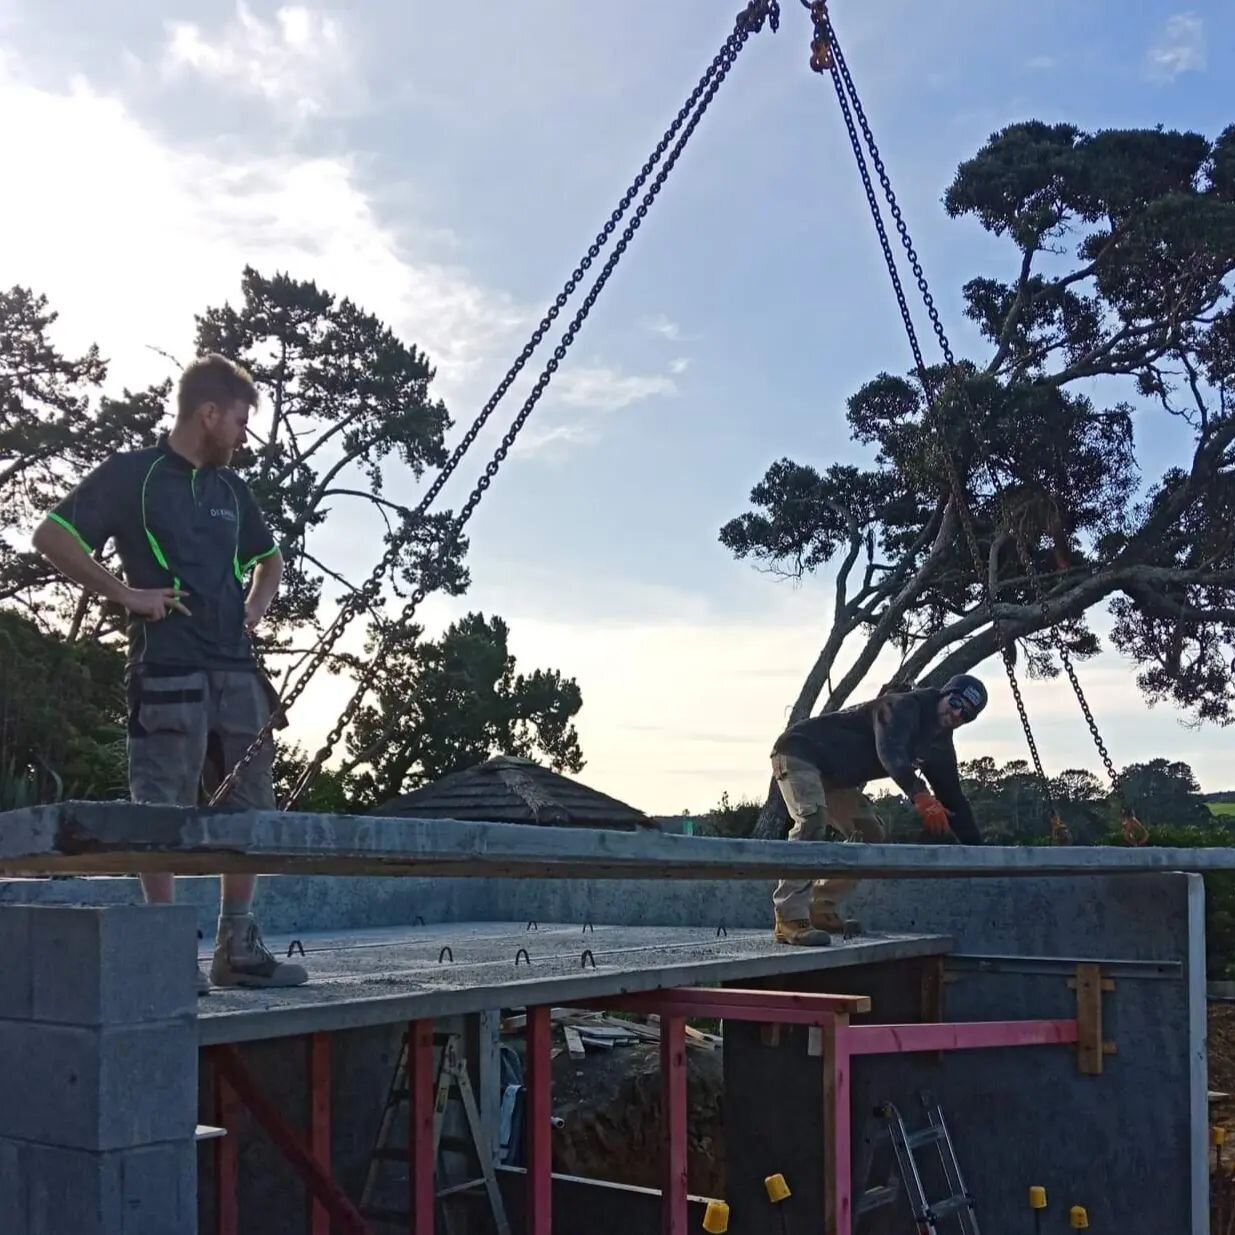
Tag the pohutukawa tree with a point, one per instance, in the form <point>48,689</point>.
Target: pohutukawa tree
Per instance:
<point>1118,307</point>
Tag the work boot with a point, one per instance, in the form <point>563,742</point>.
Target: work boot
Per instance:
<point>241,959</point>
<point>829,918</point>
<point>801,932</point>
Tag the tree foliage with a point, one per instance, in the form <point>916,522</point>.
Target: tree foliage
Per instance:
<point>1008,801</point>
<point>62,708</point>
<point>446,704</point>
<point>55,425</point>
<point>1118,303</point>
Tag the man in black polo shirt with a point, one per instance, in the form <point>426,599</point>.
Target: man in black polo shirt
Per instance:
<point>188,533</point>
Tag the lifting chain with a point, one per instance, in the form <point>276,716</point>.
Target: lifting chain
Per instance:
<point>748,22</point>
<point>824,36</point>
<point>827,56</point>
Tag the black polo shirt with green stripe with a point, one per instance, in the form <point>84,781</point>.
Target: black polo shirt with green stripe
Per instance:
<point>176,525</point>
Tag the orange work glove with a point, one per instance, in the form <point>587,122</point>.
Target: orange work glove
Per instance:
<point>933,814</point>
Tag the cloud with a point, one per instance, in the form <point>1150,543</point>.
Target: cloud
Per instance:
<point>300,61</point>
<point>1041,64</point>
<point>1180,48</point>
<point>597,391</point>
<point>665,327</point>
<point>679,366</point>
<point>130,266</point>
<point>604,389</point>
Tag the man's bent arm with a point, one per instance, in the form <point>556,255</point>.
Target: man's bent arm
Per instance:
<point>267,575</point>
<point>945,779</point>
<point>66,552</point>
<point>896,727</point>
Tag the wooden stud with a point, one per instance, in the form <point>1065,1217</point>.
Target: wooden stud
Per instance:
<point>1089,1045</point>
<point>837,1132</point>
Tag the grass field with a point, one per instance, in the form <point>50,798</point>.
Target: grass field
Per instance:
<point>1222,808</point>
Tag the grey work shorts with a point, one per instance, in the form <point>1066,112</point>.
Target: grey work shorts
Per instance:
<point>187,730</point>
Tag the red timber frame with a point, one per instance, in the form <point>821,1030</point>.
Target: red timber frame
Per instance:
<point>839,1043</point>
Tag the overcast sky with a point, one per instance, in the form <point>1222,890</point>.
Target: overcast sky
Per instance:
<point>445,165</point>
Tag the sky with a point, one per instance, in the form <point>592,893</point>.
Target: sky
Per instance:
<point>445,165</point>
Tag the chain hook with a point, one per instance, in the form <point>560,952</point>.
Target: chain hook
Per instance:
<point>750,20</point>
<point>821,44</point>
<point>1134,831</point>
<point>1061,834</point>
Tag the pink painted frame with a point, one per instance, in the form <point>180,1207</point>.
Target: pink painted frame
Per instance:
<point>841,1043</point>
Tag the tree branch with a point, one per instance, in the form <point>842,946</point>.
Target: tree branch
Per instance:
<point>405,511</point>
<point>1021,620</point>
<point>1021,299</point>
<point>895,611</point>
<point>338,427</point>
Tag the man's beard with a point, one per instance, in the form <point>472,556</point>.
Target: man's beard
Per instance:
<point>218,455</point>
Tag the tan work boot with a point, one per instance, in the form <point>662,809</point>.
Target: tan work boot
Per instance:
<point>828,918</point>
<point>801,933</point>
<point>241,959</point>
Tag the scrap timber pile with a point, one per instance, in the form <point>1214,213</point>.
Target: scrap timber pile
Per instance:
<point>581,1031</point>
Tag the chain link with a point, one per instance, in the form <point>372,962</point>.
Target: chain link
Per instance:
<point>825,38</point>
<point>748,22</point>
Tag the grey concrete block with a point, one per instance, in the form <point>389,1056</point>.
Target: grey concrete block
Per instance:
<point>120,965</point>
<point>13,1206</point>
<point>15,968</point>
<point>149,1191</point>
<point>99,1089</point>
<point>159,1189</point>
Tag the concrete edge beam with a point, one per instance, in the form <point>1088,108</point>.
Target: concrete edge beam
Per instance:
<point>120,837</point>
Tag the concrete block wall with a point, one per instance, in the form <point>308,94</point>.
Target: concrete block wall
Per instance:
<point>98,1071</point>
<point>288,904</point>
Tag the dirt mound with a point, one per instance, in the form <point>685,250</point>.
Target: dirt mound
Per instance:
<point>610,1105</point>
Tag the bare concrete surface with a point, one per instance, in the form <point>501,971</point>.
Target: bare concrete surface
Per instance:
<point>374,977</point>
<point>121,838</point>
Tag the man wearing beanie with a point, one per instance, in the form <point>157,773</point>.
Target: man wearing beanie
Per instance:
<point>822,764</point>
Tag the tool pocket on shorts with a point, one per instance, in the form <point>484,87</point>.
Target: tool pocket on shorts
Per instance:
<point>165,705</point>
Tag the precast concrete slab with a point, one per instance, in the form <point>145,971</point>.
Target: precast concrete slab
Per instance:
<point>121,838</point>
<point>379,977</point>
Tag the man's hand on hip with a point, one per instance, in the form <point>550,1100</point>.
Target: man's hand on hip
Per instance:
<point>254,612</point>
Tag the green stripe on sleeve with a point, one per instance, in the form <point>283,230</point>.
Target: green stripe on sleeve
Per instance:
<point>258,557</point>
<point>68,527</point>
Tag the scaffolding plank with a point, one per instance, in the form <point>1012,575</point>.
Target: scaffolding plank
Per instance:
<point>120,838</point>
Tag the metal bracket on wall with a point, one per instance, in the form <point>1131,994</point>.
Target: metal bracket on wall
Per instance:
<point>959,965</point>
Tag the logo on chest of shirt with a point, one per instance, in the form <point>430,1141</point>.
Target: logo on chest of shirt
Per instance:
<point>223,512</point>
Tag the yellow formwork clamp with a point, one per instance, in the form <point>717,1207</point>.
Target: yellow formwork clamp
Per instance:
<point>1079,1218</point>
<point>716,1218</point>
<point>778,1189</point>
<point>1037,1198</point>
<point>1217,1137</point>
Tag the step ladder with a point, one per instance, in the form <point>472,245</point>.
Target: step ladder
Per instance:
<point>905,1173</point>
<point>452,1082</point>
